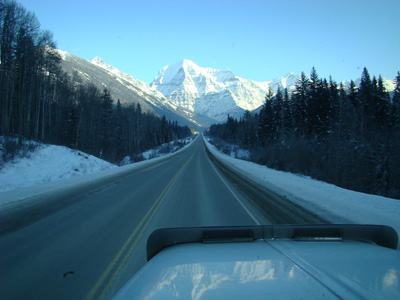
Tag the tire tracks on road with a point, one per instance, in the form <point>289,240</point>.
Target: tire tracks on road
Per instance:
<point>275,208</point>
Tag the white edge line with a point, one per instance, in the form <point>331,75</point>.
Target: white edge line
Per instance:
<point>236,197</point>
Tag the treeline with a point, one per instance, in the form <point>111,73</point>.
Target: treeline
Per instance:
<point>346,136</point>
<point>40,102</point>
<point>95,124</point>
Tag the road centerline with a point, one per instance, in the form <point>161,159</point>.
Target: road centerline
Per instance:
<point>140,228</point>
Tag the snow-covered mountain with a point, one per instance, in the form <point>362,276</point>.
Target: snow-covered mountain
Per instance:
<point>126,88</point>
<point>214,93</point>
<point>390,85</point>
<point>183,92</point>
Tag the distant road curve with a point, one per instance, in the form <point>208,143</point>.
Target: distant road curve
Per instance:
<point>86,242</point>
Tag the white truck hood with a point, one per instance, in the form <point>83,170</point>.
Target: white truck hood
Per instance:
<point>282,268</point>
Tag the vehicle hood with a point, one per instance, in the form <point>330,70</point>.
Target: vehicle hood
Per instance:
<point>269,269</point>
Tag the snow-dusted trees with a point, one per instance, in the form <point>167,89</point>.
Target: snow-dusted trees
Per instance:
<point>347,136</point>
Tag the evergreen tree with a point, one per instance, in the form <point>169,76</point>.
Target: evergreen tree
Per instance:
<point>395,111</point>
<point>331,108</point>
<point>230,132</point>
<point>335,146</point>
<point>278,115</point>
<point>365,96</point>
<point>287,117</point>
<point>249,129</point>
<point>313,106</point>
<point>300,112</point>
<point>119,134</point>
<point>382,110</point>
<point>265,125</point>
<point>165,136</point>
<point>106,125</point>
<point>353,94</point>
<point>71,136</point>
<point>396,92</point>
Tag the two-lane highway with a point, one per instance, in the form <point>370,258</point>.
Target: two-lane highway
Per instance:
<point>87,245</point>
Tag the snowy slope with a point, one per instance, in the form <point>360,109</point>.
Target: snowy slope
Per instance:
<point>184,92</point>
<point>49,163</point>
<point>390,85</point>
<point>140,87</point>
<point>52,163</point>
<point>217,93</point>
<point>124,87</point>
<point>335,204</point>
<point>214,93</point>
<point>51,168</point>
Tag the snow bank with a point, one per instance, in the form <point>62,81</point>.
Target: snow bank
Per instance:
<point>51,168</point>
<point>166,148</point>
<point>336,204</point>
<point>48,163</point>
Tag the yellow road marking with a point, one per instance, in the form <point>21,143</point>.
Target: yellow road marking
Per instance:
<point>149,216</point>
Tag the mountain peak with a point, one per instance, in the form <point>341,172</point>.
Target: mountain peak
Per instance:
<point>210,92</point>
<point>98,61</point>
<point>187,62</point>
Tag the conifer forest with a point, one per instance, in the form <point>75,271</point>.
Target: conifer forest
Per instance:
<point>346,136</point>
<point>41,102</point>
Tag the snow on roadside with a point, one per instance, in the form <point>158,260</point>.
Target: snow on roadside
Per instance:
<point>336,204</point>
<point>166,148</point>
<point>46,164</point>
<point>51,168</point>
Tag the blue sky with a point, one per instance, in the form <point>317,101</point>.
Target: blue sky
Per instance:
<point>256,39</point>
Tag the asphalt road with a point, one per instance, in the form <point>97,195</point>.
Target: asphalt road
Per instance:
<point>86,242</point>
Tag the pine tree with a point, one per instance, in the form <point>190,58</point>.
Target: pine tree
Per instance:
<point>300,110</point>
<point>248,130</point>
<point>118,133</point>
<point>287,118</point>
<point>365,96</point>
<point>278,115</point>
<point>106,133</point>
<point>317,106</point>
<point>396,92</point>
<point>71,136</point>
<point>353,94</point>
<point>345,116</point>
<point>164,130</point>
<point>265,119</point>
<point>382,109</point>
<point>395,112</point>
<point>230,132</point>
<point>332,109</point>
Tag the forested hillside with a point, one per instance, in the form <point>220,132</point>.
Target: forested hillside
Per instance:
<point>349,137</point>
<point>40,102</point>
